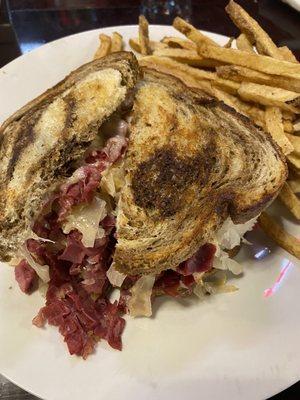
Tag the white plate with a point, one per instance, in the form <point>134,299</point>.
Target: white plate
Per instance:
<point>240,345</point>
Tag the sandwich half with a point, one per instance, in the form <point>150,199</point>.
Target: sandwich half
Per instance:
<point>121,176</point>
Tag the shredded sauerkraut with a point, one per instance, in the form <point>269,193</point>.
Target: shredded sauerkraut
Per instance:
<point>86,219</point>
<point>227,237</point>
<point>212,282</point>
<point>230,234</point>
<point>139,304</point>
<point>113,179</point>
<point>115,277</point>
<point>41,270</point>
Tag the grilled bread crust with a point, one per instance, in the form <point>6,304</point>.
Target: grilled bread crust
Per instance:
<point>192,161</point>
<point>40,141</point>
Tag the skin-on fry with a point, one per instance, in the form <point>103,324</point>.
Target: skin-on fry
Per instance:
<point>279,235</point>
<point>116,42</point>
<point>144,35</point>
<point>244,43</point>
<point>229,43</point>
<point>289,116</point>
<point>288,126</point>
<point>172,67</point>
<point>165,65</point>
<point>253,30</point>
<point>294,184</point>
<point>297,126</point>
<point>253,61</point>
<point>187,57</point>
<point>290,200</point>
<point>176,42</point>
<point>254,113</point>
<point>295,140</point>
<point>104,47</point>
<point>294,161</point>
<point>287,54</point>
<point>275,127</point>
<point>191,32</point>
<point>268,96</point>
<point>135,45</point>
<point>242,74</point>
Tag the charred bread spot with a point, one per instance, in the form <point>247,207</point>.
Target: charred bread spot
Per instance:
<point>70,104</point>
<point>161,182</point>
<point>24,137</point>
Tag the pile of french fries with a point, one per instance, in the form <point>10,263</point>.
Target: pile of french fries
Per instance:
<point>255,77</point>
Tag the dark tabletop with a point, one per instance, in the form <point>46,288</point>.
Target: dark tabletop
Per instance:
<point>27,24</point>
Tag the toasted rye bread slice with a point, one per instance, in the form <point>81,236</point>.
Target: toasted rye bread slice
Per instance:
<point>40,141</point>
<point>192,161</point>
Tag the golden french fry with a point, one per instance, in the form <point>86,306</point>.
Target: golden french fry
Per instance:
<point>288,126</point>
<point>244,43</point>
<point>176,42</point>
<point>295,140</point>
<point>268,95</point>
<point>253,30</point>
<point>135,45</point>
<point>288,116</point>
<point>253,61</point>
<point>254,113</point>
<point>297,126</point>
<point>290,200</point>
<point>104,47</point>
<point>243,74</point>
<point>191,32</point>
<point>279,235</point>
<point>275,127</point>
<point>178,70</point>
<point>287,54</point>
<point>294,161</point>
<point>187,57</point>
<point>229,43</point>
<point>116,42</point>
<point>172,65</point>
<point>144,35</point>
<point>294,184</point>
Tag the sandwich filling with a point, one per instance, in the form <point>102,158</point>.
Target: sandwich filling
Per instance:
<point>72,246</point>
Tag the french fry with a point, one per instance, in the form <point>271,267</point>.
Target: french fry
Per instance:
<point>192,33</point>
<point>242,74</point>
<point>116,42</point>
<point>297,126</point>
<point>254,113</point>
<point>172,66</point>
<point>144,35</point>
<point>295,140</point>
<point>135,45</point>
<point>288,116</point>
<point>168,66</point>
<point>176,42</point>
<point>268,96</point>
<point>244,43</point>
<point>229,43</point>
<point>288,126</point>
<point>253,30</point>
<point>290,200</point>
<point>287,54</point>
<point>187,57</point>
<point>275,127</point>
<point>104,47</point>
<point>253,61</point>
<point>294,184</point>
<point>279,235</point>
<point>294,161</point>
